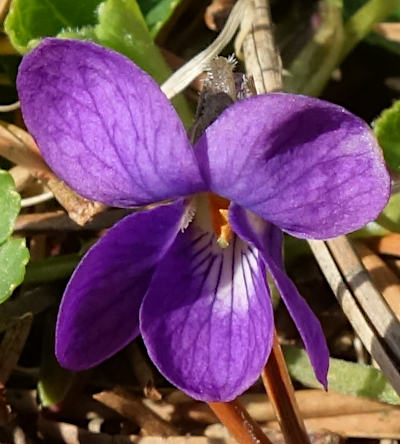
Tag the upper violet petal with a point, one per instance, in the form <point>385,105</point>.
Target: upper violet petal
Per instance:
<point>267,238</point>
<point>207,318</point>
<point>308,166</point>
<point>104,125</point>
<point>99,313</point>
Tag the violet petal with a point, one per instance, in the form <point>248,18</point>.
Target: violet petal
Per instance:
<point>267,238</point>
<point>99,313</point>
<point>308,166</point>
<point>207,317</point>
<point>104,125</point>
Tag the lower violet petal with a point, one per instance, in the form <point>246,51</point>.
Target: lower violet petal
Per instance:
<point>207,317</point>
<point>267,238</point>
<point>99,312</point>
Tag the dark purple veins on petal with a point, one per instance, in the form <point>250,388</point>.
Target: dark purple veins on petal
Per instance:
<point>99,313</point>
<point>104,125</point>
<point>207,318</point>
<point>267,238</point>
<point>308,166</point>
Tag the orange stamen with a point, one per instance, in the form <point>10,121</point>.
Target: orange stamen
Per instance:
<point>219,218</point>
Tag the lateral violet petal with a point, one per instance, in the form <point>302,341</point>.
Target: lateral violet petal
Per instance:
<point>99,313</point>
<point>207,317</point>
<point>267,238</point>
<point>308,166</point>
<point>104,125</point>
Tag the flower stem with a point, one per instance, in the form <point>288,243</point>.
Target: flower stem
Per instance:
<point>239,423</point>
<point>332,42</point>
<point>280,390</point>
<point>361,23</point>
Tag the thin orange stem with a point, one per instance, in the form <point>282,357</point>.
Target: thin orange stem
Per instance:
<point>239,423</point>
<point>280,391</point>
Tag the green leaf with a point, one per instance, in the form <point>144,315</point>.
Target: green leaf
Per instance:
<point>387,130</point>
<point>395,17</point>
<point>9,205</point>
<point>157,13</point>
<point>84,33</point>
<point>13,257</point>
<point>390,216</point>
<point>122,27</point>
<point>31,19</point>
<point>343,377</point>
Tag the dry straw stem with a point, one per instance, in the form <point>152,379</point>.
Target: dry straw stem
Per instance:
<point>188,72</point>
<point>261,56</point>
<point>344,285</point>
<point>4,7</point>
<point>132,408</point>
<point>366,294</point>
<point>382,276</point>
<point>377,425</point>
<point>58,221</point>
<point>312,404</point>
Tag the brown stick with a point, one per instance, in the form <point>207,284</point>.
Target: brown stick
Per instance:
<point>389,244</point>
<point>262,59</point>
<point>132,408</point>
<point>239,423</point>
<point>382,276</point>
<point>280,390</point>
<point>4,7</point>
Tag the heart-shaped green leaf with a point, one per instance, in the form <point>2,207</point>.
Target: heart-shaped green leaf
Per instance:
<point>13,258</point>
<point>29,20</point>
<point>157,12</point>
<point>387,130</point>
<point>9,205</point>
<point>343,377</point>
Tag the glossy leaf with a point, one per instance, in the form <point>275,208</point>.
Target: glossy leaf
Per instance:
<point>13,257</point>
<point>343,377</point>
<point>31,19</point>
<point>157,12</point>
<point>387,130</point>
<point>9,205</point>
<point>122,27</point>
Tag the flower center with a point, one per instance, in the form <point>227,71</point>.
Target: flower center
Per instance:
<point>218,207</point>
<point>210,213</point>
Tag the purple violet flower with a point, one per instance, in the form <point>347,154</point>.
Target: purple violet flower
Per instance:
<point>190,275</point>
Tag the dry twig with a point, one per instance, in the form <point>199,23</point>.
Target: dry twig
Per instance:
<point>132,408</point>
